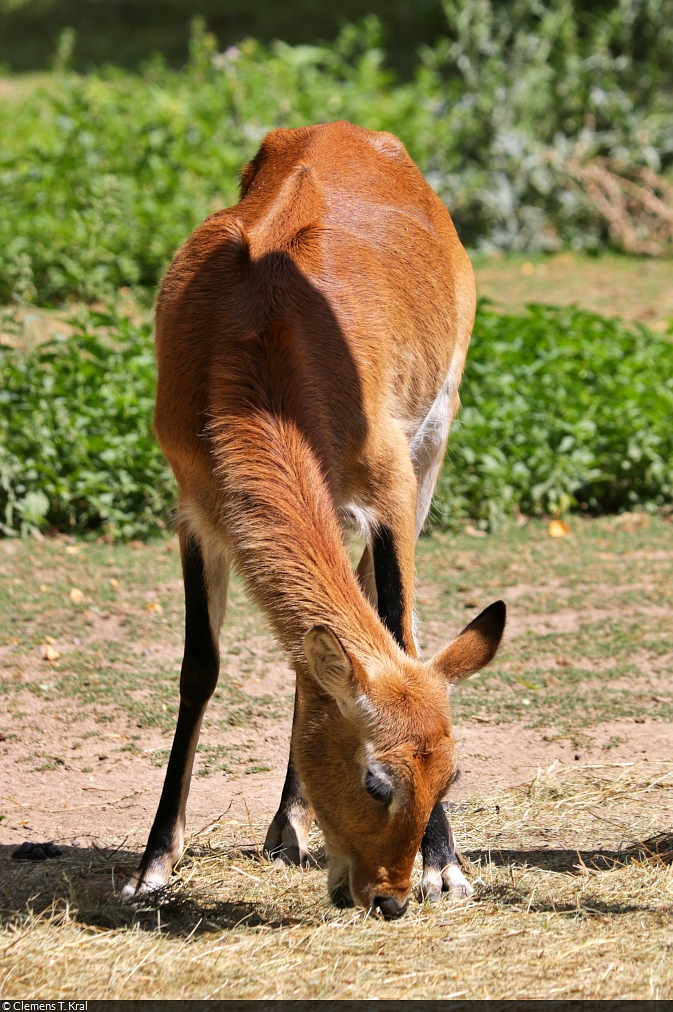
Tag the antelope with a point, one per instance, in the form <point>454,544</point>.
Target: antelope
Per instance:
<point>310,343</point>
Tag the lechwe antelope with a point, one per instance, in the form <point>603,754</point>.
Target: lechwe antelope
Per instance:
<point>310,343</point>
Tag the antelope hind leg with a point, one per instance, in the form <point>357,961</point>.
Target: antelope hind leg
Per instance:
<point>287,836</point>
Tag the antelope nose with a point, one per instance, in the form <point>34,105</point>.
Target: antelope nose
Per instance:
<point>389,906</point>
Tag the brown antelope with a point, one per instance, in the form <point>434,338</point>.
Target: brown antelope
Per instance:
<point>310,344</point>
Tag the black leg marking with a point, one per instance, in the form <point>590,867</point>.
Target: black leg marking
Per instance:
<point>438,847</point>
<point>441,861</point>
<point>389,583</point>
<point>201,661</point>
<point>287,836</point>
<point>293,792</point>
<point>198,678</point>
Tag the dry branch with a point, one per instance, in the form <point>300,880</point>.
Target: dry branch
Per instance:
<point>636,203</point>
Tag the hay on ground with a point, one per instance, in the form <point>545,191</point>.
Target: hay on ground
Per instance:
<point>573,878</point>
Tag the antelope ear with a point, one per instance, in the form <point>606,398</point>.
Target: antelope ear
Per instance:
<point>475,646</point>
<point>332,668</point>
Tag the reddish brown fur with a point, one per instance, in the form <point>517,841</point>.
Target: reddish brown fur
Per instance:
<point>301,337</point>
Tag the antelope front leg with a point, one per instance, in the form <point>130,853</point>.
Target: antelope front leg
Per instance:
<point>441,866</point>
<point>287,836</point>
<point>392,558</point>
<point>198,678</point>
<point>441,861</point>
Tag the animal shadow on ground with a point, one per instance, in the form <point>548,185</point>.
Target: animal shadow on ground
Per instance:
<point>656,849</point>
<point>84,885</point>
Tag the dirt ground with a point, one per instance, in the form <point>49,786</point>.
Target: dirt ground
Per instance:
<point>583,677</point>
<point>563,810</point>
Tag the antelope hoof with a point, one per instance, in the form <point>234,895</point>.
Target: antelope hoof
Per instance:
<point>341,896</point>
<point>455,883</point>
<point>142,885</point>
<point>134,890</point>
<point>430,889</point>
<point>449,880</point>
<point>287,841</point>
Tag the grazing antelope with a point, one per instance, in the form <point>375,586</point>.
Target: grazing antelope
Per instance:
<point>310,344</point>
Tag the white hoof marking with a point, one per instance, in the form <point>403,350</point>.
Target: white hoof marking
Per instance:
<point>431,885</point>
<point>133,890</point>
<point>455,882</point>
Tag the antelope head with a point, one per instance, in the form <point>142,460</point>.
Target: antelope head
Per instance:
<point>375,753</point>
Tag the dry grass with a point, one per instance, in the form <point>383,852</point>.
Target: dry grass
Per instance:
<point>574,893</point>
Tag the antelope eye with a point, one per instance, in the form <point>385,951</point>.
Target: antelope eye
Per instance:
<point>378,785</point>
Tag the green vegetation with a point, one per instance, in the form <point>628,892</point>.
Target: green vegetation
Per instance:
<point>518,117</point>
<point>76,444</point>
<point>561,409</point>
<point>521,118</point>
<point>103,176</point>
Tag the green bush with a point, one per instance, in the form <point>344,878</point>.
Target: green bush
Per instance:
<point>524,92</point>
<point>77,451</point>
<point>103,175</point>
<point>560,408</point>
